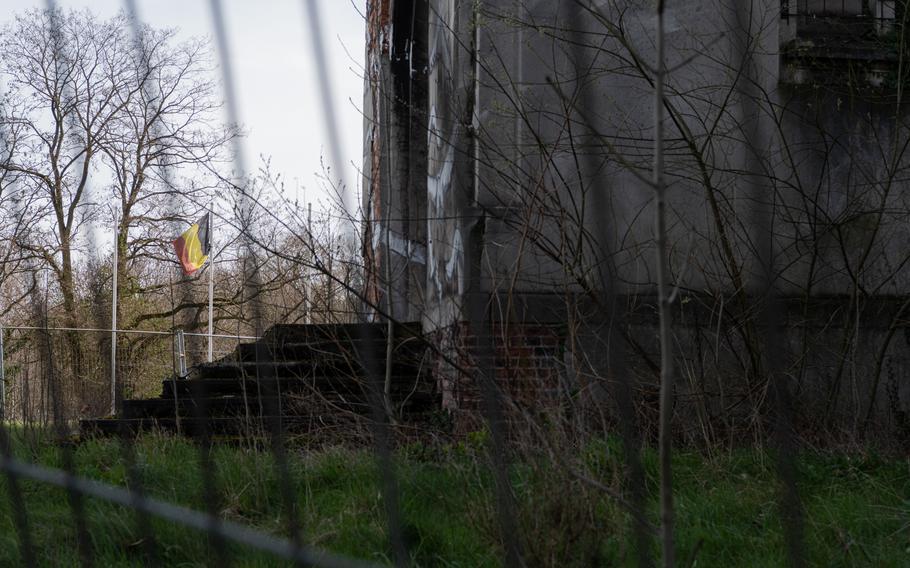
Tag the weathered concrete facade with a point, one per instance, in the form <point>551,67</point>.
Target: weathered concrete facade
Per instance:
<point>536,119</point>
<point>395,197</point>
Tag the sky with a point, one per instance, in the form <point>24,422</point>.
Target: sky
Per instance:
<point>278,99</point>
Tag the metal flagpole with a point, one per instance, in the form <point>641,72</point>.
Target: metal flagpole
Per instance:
<point>114,326</point>
<point>211,277</point>
<point>2,379</point>
<point>307,283</point>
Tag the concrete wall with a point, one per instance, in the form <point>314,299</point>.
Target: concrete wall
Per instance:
<point>395,164</point>
<point>539,140</point>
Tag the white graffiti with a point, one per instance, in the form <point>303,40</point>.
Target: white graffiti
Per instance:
<point>401,246</point>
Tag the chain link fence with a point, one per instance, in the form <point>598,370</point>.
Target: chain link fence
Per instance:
<point>30,357</point>
<point>38,393</point>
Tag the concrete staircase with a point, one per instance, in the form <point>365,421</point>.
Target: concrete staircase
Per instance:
<point>301,379</point>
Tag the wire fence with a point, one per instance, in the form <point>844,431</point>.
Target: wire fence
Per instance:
<point>53,377</point>
<point>143,360</point>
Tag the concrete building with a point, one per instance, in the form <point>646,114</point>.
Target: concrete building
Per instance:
<point>509,148</point>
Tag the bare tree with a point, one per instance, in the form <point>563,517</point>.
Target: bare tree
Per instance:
<point>19,211</point>
<point>90,117</point>
<point>68,75</point>
<point>168,119</point>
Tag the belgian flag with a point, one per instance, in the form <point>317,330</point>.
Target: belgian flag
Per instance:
<point>193,245</point>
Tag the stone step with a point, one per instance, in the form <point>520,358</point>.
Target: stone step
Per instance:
<point>327,351</point>
<point>302,368</point>
<point>297,377</point>
<point>283,333</point>
<point>271,386</point>
<point>232,406</point>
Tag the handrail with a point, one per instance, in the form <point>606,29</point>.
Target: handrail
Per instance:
<point>178,335</point>
<point>136,331</point>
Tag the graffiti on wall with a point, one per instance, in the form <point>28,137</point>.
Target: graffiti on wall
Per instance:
<point>445,246</point>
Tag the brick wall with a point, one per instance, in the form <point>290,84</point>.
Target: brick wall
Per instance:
<point>524,359</point>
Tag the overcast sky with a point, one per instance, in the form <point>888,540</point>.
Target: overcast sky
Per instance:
<point>273,65</point>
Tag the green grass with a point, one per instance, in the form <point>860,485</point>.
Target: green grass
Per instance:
<point>857,509</point>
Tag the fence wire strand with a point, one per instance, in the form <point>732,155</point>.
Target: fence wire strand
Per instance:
<point>292,546</point>
<point>369,361</point>
<point>227,530</point>
<point>264,372</point>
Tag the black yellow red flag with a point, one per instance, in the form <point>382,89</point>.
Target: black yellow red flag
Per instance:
<point>193,245</point>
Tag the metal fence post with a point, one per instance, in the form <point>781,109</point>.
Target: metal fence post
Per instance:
<point>2,379</point>
<point>181,353</point>
<point>114,327</point>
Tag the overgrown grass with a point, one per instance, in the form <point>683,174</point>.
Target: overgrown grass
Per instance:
<point>857,509</point>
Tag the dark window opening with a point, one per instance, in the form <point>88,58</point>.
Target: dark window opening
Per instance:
<point>844,18</point>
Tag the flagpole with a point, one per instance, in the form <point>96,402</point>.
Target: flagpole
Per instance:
<point>211,278</point>
<point>114,325</point>
<point>307,284</point>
